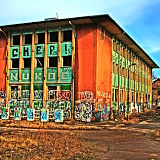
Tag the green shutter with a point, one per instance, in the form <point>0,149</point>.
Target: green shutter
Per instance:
<point>126,64</point>
<point>66,87</point>
<point>38,75</point>
<point>123,81</point>
<point>126,82</point>
<point>52,74</point>
<point>113,56</point>
<point>39,50</point>
<point>52,50</point>
<point>113,78</point>
<point>120,60</point>
<point>117,79</point>
<point>120,81</point>
<point>117,58</point>
<point>66,48</point>
<point>27,51</point>
<point>15,51</point>
<point>25,75</point>
<point>65,74</point>
<point>13,75</point>
<point>123,62</point>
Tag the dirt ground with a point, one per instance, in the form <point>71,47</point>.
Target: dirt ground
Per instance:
<point>137,141</point>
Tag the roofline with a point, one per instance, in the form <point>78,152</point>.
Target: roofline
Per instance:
<point>85,17</point>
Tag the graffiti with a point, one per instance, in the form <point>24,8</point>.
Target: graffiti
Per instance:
<point>58,115</point>
<point>83,111</point>
<point>17,113</point>
<point>30,114</point>
<point>44,115</point>
<point>2,94</point>
<point>104,95</point>
<point>14,94</point>
<point>37,104</point>
<point>59,95</point>
<point>5,112</point>
<point>25,94</point>
<point>85,95</point>
<point>38,94</point>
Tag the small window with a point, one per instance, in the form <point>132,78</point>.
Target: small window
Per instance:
<point>28,39</point>
<point>67,35</point>
<point>41,38</point>
<point>52,92</point>
<point>27,62</point>
<point>53,62</point>
<point>16,40</point>
<point>116,95</point>
<point>40,62</point>
<point>15,63</point>
<point>53,37</point>
<point>67,61</point>
<point>14,92</point>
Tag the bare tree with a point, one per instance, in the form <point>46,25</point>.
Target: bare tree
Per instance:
<point>154,77</point>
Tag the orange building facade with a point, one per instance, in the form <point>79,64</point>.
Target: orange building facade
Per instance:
<point>77,68</point>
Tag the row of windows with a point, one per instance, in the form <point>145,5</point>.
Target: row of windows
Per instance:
<point>123,82</point>
<point>40,37</point>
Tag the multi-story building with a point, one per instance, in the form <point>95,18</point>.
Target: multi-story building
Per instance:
<point>84,66</point>
<point>156,93</point>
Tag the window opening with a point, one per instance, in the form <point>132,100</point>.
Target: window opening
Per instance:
<point>27,62</point>
<point>28,38</point>
<point>41,38</point>
<point>53,37</point>
<point>53,62</point>
<point>15,63</point>
<point>67,61</point>
<point>40,62</point>
<point>16,40</point>
<point>67,35</point>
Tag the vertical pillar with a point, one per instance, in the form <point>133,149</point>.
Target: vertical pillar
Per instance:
<point>45,68</point>
<point>8,68</point>
<point>32,71</point>
<point>73,75</point>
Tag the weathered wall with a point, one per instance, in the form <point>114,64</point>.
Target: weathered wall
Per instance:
<point>104,64</point>
<point>3,47</point>
<point>85,61</point>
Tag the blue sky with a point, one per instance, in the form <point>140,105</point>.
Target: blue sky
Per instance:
<point>139,18</point>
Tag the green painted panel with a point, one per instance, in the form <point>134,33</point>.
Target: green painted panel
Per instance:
<point>66,48</point>
<point>53,29</point>
<point>66,87</point>
<point>120,80</point>
<point>126,82</point>
<point>13,75</point>
<point>27,51</point>
<point>123,81</point>
<point>65,74</point>
<point>52,74</point>
<point>14,53</point>
<point>15,33</point>
<point>27,32</point>
<point>39,50</point>
<point>117,79</point>
<point>120,60</point>
<point>52,50</point>
<point>25,75</point>
<point>126,64</point>
<point>117,58</point>
<point>38,75</point>
<point>66,28</point>
<point>113,78</point>
<point>113,56</point>
<point>123,62</point>
<point>40,31</point>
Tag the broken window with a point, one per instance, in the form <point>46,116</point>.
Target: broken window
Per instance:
<point>27,62</point>
<point>16,40</point>
<point>53,62</point>
<point>28,39</point>
<point>15,63</point>
<point>40,62</point>
<point>67,61</point>
<point>67,35</point>
<point>53,36</point>
<point>41,38</point>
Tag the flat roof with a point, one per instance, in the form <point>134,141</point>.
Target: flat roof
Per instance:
<point>103,20</point>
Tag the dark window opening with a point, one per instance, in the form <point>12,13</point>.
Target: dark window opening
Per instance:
<point>53,62</point>
<point>67,35</point>
<point>52,92</point>
<point>41,38</point>
<point>40,62</point>
<point>14,92</point>
<point>15,63</point>
<point>53,36</point>
<point>67,61</point>
<point>116,95</point>
<point>28,39</point>
<point>16,40</point>
<point>27,62</point>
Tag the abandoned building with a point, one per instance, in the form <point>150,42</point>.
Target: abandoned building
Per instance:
<point>84,68</point>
